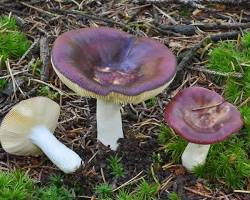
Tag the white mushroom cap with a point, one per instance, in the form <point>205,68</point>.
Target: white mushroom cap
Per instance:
<point>18,123</point>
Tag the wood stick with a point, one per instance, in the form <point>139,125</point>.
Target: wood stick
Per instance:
<point>45,58</point>
<point>214,38</point>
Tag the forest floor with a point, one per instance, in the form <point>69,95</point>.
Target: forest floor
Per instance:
<point>179,26</point>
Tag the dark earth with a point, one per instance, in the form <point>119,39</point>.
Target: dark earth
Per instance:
<point>77,125</point>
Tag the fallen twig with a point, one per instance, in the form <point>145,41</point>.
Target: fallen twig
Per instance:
<point>45,58</point>
<point>242,191</point>
<point>28,51</point>
<point>189,54</point>
<point>132,180</point>
<point>40,10</point>
<point>190,29</point>
<point>197,192</point>
<point>94,17</point>
<point>208,71</point>
<point>214,38</point>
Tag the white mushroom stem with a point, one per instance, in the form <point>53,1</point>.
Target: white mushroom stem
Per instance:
<point>109,123</point>
<point>63,157</point>
<point>194,155</point>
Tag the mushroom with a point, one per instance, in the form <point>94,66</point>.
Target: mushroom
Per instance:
<point>114,67</point>
<point>202,117</point>
<point>27,129</point>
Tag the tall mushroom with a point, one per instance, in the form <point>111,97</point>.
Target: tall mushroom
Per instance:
<point>114,67</point>
<point>27,129</point>
<point>202,117</point>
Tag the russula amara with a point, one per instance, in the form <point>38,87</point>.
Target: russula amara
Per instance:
<point>114,67</point>
<point>202,117</point>
<point>28,128</point>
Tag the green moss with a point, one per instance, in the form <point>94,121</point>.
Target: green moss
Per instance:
<point>15,186</point>
<point>151,102</point>
<point>54,193</point>
<point>13,43</point>
<point>227,56</point>
<point>185,11</point>
<point>48,92</point>
<point>115,166</point>
<point>245,112</point>
<point>246,40</point>
<point>3,83</point>
<point>124,195</point>
<point>36,67</point>
<point>174,145</point>
<point>8,23</point>
<point>165,134</point>
<point>146,191</point>
<point>104,191</point>
<point>232,90</point>
<point>173,196</point>
<point>223,57</point>
<point>54,190</point>
<point>227,161</point>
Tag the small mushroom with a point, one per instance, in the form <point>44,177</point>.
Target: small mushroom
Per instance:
<point>202,117</point>
<point>27,129</point>
<point>114,67</point>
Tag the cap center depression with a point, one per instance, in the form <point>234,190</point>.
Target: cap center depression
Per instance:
<point>209,119</point>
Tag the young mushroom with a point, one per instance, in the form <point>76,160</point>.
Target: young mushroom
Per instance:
<point>202,117</point>
<point>27,129</point>
<point>114,67</point>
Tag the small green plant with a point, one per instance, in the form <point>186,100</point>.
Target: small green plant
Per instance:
<point>165,134</point>
<point>104,191</point>
<point>245,112</point>
<point>55,190</point>
<point>224,57</point>
<point>146,191</point>
<point>13,43</point>
<point>46,91</point>
<point>36,67</point>
<point>124,195</point>
<point>174,145</point>
<point>8,23</point>
<point>56,180</point>
<point>151,102</point>
<point>3,83</point>
<point>173,196</point>
<point>115,166</point>
<point>54,193</point>
<point>157,158</point>
<point>16,186</point>
<point>232,90</point>
<point>185,11</point>
<point>246,40</point>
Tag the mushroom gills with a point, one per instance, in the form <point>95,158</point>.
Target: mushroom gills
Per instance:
<point>194,155</point>
<point>109,123</point>
<point>63,157</point>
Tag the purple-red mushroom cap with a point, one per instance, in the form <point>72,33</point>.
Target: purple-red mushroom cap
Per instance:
<point>112,65</point>
<point>202,116</point>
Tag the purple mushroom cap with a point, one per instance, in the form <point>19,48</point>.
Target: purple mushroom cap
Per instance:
<point>202,116</point>
<point>105,60</point>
